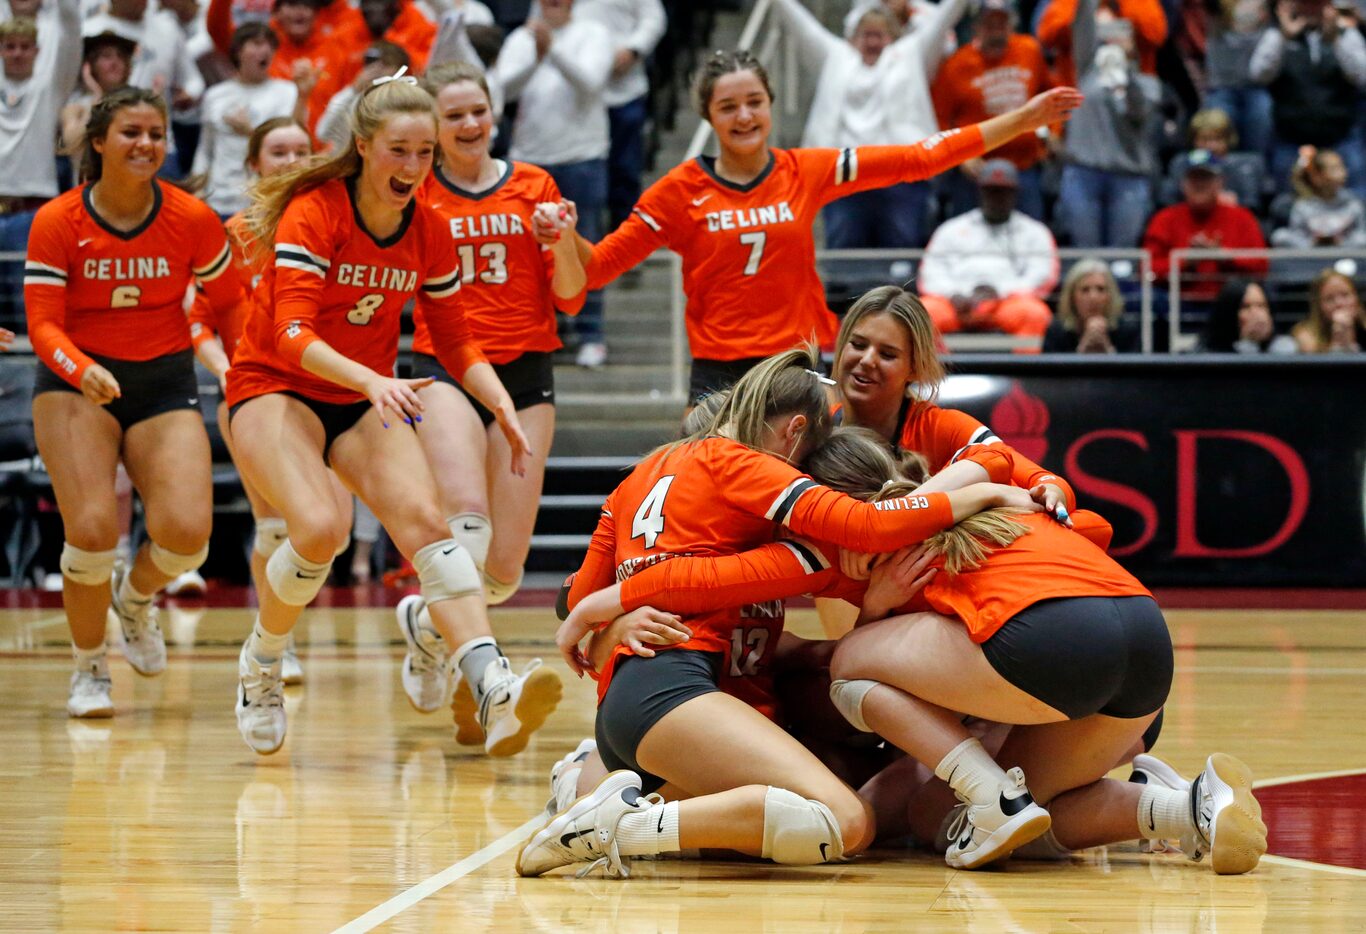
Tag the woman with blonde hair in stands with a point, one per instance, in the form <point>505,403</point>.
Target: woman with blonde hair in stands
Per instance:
<point>1091,314</point>
<point>1336,321</point>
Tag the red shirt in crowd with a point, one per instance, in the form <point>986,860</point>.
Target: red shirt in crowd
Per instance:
<point>1232,227</point>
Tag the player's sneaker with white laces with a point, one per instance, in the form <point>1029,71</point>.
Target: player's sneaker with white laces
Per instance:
<point>90,691</point>
<point>586,831</point>
<point>515,706</point>
<point>260,704</point>
<point>426,667</point>
<point>983,833</point>
<point>564,777</point>
<point>1226,815</point>
<point>291,672</point>
<point>143,645</point>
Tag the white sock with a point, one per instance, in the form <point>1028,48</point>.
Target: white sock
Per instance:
<point>128,594</point>
<point>266,647</point>
<point>648,832</point>
<point>970,771</point>
<point>88,659</point>
<point>1163,813</point>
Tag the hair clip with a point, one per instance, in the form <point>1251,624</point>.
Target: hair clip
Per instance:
<point>822,377</point>
<point>888,483</point>
<point>400,75</point>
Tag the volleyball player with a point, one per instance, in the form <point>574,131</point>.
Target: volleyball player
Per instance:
<point>511,288</point>
<point>742,221</point>
<point>311,386</point>
<point>108,267</point>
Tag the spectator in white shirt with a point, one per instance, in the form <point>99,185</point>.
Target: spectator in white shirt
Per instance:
<point>106,64</point>
<point>990,269</point>
<point>233,108</point>
<point>557,67</point>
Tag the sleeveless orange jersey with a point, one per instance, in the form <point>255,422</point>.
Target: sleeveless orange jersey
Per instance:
<point>244,273</point>
<point>91,289</point>
<point>717,497</point>
<point>506,274</point>
<point>332,281</point>
<point>749,255</point>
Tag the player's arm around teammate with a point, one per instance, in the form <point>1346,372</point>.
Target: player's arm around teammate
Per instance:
<point>107,271</point>
<point>310,387</point>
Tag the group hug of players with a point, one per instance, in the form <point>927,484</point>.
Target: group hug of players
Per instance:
<point>992,626</point>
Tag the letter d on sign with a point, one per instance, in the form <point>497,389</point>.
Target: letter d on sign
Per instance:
<point>1187,544</point>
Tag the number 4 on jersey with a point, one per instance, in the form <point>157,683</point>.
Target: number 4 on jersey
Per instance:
<point>649,518</point>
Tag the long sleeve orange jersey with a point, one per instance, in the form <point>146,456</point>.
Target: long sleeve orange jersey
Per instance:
<point>506,274</point>
<point>92,289</point>
<point>969,89</point>
<point>716,497</point>
<point>247,268</point>
<point>332,280</point>
<point>749,255</point>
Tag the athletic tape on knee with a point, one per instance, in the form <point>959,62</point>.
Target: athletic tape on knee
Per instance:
<point>474,532</point>
<point>295,579</point>
<point>90,568</point>
<point>799,831</point>
<point>270,535</point>
<point>173,564</point>
<point>496,592</point>
<point>446,571</point>
<point>847,696</point>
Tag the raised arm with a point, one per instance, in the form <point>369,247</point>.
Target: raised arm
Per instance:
<point>817,43</point>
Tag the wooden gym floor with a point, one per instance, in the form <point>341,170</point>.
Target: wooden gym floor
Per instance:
<point>162,819</point>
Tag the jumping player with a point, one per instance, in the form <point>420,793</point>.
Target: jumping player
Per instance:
<point>511,288</point>
<point>108,267</point>
<point>310,387</point>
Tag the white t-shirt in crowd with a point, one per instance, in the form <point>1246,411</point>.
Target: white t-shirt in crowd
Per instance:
<point>222,150</point>
<point>637,25</point>
<point>29,110</point>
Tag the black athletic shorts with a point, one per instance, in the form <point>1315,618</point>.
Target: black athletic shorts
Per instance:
<point>1085,655</point>
<point>709,376</point>
<point>529,380</point>
<point>337,417</point>
<point>147,387</point>
<point>642,691</point>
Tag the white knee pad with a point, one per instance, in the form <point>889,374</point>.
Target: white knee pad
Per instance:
<point>172,564</point>
<point>496,592</point>
<point>474,532</point>
<point>90,568</point>
<point>799,831</point>
<point>295,579</point>
<point>270,535</point>
<point>848,696</point>
<point>445,571</point>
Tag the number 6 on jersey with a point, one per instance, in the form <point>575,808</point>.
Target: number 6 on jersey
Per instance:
<point>649,518</point>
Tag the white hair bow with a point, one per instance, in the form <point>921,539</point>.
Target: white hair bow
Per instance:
<point>400,75</point>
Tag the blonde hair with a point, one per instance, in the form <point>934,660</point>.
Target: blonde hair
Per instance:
<point>859,463</point>
<point>703,414</point>
<point>883,16</point>
<point>906,309</point>
<point>1213,120</point>
<point>453,73</point>
<point>21,27</point>
<point>270,196</point>
<point>1315,333</point>
<point>1067,313</point>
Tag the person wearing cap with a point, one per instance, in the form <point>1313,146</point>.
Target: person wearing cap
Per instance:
<point>106,64</point>
<point>1202,220</point>
<point>997,72</point>
<point>990,269</point>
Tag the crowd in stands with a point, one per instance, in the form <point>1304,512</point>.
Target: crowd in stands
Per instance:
<point>1216,124</point>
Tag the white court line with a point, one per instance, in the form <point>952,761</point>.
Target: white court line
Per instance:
<point>1306,777</point>
<point>1239,670</point>
<point>410,897</point>
<point>1317,867</point>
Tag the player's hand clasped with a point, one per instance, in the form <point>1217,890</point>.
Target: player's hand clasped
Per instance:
<point>99,385</point>
<point>895,581</point>
<point>551,220</point>
<point>637,630</point>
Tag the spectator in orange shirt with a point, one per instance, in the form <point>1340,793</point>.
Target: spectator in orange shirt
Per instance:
<point>396,21</point>
<point>997,72</point>
<point>1146,16</point>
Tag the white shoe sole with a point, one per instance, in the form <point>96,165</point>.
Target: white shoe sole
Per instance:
<point>1237,835</point>
<point>540,695</point>
<point>1030,824</point>
<point>613,784</point>
<point>91,713</point>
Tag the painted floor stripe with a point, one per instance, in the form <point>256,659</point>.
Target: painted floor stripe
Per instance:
<point>472,863</point>
<point>1306,777</point>
<point>1317,867</point>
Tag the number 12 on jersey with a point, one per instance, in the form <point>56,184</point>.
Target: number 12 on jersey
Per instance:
<point>648,521</point>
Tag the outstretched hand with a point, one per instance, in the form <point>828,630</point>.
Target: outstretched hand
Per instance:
<point>1050,107</point>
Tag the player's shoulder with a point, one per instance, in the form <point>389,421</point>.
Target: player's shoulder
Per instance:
<point>184,206</point>
<point>323,204</point>
<point>61,209</point>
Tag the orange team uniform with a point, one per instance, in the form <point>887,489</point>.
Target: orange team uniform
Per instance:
<point>90,289</point>
<point>716,497</point>
<point>749,255</point>
<point>332,281</point>
<point>968,90</point>
<point>246,270</point>
<point>506,274</point>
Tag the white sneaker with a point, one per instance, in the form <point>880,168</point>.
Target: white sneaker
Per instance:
<point>984,833</point>
<point>291,672</point>
<point>592,355</point>
<point>191,583</point>
<point>1226,816</point>
<point>426,667</point>
<point>90,692</point>
<point>1150,770</point>
<point>260,704</point>
<point>515,706</point>
<point>564,777</point>
<point>586,831</point>
<point>143,645</point>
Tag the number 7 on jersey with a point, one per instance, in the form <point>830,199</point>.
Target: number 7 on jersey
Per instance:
<point>648,521</point>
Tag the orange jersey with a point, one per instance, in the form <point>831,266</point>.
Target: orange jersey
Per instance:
<point>245,272</point>
<point>90,289</point>
<point>717,497</point>
<point>506,274</point>
<point>749,255</point>
<point>331,280</point>
<point>969,89</point>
